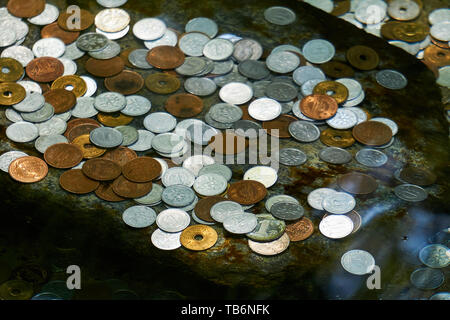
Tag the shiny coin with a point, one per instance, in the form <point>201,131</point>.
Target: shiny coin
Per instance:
<point>173,220</point>
<point>33,102</point>
<point>110,102</point>
<point>138,58</point>
<point>166,240</point>
<point>371,158</point>
<point>403,10</point>
<point>304,131</point>
<point>75,181</point>
<point>441,296</point>
<point>111,50</point>
<point>89,151</point>
<point>316,197</point>
<point>54,125</point>
<point>20,53</point>
<point>264,109</point>
<point>339,203</point>
<point>427,278</point>
<point>318,51</point>
<point>139,216</point>
<point>252,69</point>
<point>104,137</point>
<point>338,91</point>
<point>200,133</point>
<point>192,43</point>
<point>306,73</point>
<point>149,29</point>
<point>279,15</point>
<point>357,183</point>
<point>178,175</point>
<point>198,237</point>
<point>74,83</point>
<point>218,49</point>
<point>168,143</point>
<point>236,93</point>
<point>11,69</point>
<point>204,206</point>
<point>354,88</point>
<point>358,262</point>
<point>12,94</point>
<point>343,119</point>
<point>49,15</point>
<point>49,47</point>
<point>286,210</point>
<point>240,223</point>
<point>391,79</point>
<point>263,174</point>
<point>336,226</point>
<point>91,86</point>
<point>200,86</point>
<point>335,155</point>
<point>197,162</point>
<point>8,157</point>
<point>160,122</point>
<point>210,184</point>
<point>270,248</point>
<point>202,24</point>
<point>282,61</point>
<point>337,138</point>
<point>279,198</point>
<point>435,256</point>
<point>22,132</point>
<point>28,169</point>
<point>300,230</point>
<point>362,57</point>
<point>410,192</point>
<point>112,20</point>
<point>113,119</point>
<point>192,66</point>
<point>292,157</point>
<point>372,133</point>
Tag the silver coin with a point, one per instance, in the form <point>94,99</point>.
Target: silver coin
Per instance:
<point>130,134</point>
<point>304,131</point>
<point>32,102</point>
<point>114,35</point>
<point>153,197</point>
<point>222,67</point>
<point>403,10</point>
<point>43,142</point>
<point>371,12</point>
<point>202,24</point>
<point>358,262</point>
<point>70,66</point>
<point>236,93</point>
<point>168,143</point>
<point>281,91</point>
<point>316,197</point>
<point>144,141</point>
<point>353,86</point>
<point>240,223</point>
<point>166,240</point>
<point>176,154</point>
<point>111,3</point>
<point>253,69</point>
<point>356,101</point>
<point>196,162</point>
<point>41,115</point>
<point>371,158</point>
<point>308,87</point>
<point>30,86</point>
<point>218,49</point>
<point>20,53</point>
<point>192,43</point>
<point>410,192</point>
<point>84,108</point>
<point>229,36</point>
<point>178,175</point>
<point>318,51</point>
<point>210,184</point>
<point>72,52</point>
<point>164,167</point>
<point>287,210</point>
<point>111,50</point>
<point>12,115</point>
<point>7,37</point>
<point>336,226</point>
<point>270,248</point>
<point>173,220</point>
<point>105,137</point>
<point>178,195</point>
<point>160,122</point>
<point>138,58</point>
<point>440,296</point>
<point>225,113</point>
<point>335,155</point>
<point>391,79</point>
<point>22,132</point>
<point>279,198</point>
<point>112,20</point>
<point>216,124</point>
<point>325,5</point>
<point>91,86</point>
<point>343,119</point>
<point>292,157</point>
<point>263,174</point>
<point>136,106</point>
<point>411,48</point>
<point>8,157</point>
<point>247,48</point>
<point>54,125</point>
<point>339,203</point>
<point>110,102</point>
<point>233,76</point>
<point>427,278</point>
<point>92,41</point>
<point>191,66</point>
<point>187,208</point>
<point>200,133</point>
<point>49,15</point>
<point>360,114</point>
<point>435,256</point>
<point>209,66</point>
<point>439,15</point>
<point>248,128</point>
<point>391,124</point>
<point>182,126</point>
<point>279,15</point>
<point>149,29</point>
<point>217,168</point>
<point>264,109</point>
<point>282,62</point>
<point>16,26</point>
<point>169,38</point>
<point>224,209</point>
<point>200,86</point>
<point>444,77</point>
<point>139,216</point>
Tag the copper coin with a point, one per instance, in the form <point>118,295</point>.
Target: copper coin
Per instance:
<point>28,169</point>
<point>121,155</point>
<point>79,130</point>
<point>300,230</point>
<point>245,114</point>
<point>362,57</point>
<point>247,192</point>
<point>129,189</point>
<point>165,57</point>
<point>279,127</point>
<point>334,89</point>
<point>10,70</point>
<point>318,106</point>
<point>142,169</point>
<point>337,138</point>
<point>127,82</point>
<point>63,155</point>
<point>124,56</point>
<point>75,122</point>
<point>89,150</point>
<point>26,8</point>
<point>104,68</point>
<point>336,69</point>
<point>372,133</point>
<point>75,181</point>
<point>101,169</point>
<point>198,237</point>
<point>11,93</point>
<point>53,30</point>
<point>203,207</point>
<point>184,105</point>
<point>162,83</point>
<point>105,192</point>
<point>439,43</point>
<point>417,176</point>
<point>44,69</point>
<point>70,22</point>
<point>72,83</point>
<point>438,56</point>
<point>62,100</point>
<point>114,119</point>
<point>340,7</point>
<point>357,183</point>
<point>228,143</point>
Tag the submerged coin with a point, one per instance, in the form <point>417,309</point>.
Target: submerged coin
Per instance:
<point>285,210</point>
<point>417,176</point>
<point>270,248</point>
<point>198,237</point>
<point>357,183</point>
<point>371,158</point>
<point>358,262</point>
<point>391,79</point>
<point>435,256</point>
<point>162,83</point>
<point>279,15</point>
<point>362,57</point>
<point>427,278</point>
<point>372,133</point>
<point>304,131</point>
<point>292,157</point>
<point>300,230</point>
<point>16,289</point>
<point>336,226</point>
<point>410,192</point>
<point>335,155</point>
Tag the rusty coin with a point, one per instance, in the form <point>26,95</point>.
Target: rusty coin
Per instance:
<point>28,169</point>
<point>142,169</point>
<point>334,89</point>
<point>10,70</point>
<point>26,8</point>
<point>247,192</point>
<point>113,119</point>
<point>300,230</point>
<point>44,69</point>
<point>70,22</point>
<point>362,57</point>
<point>357,183</point>
<point>105,192</point>
<point>279,127</point>
<point>87,148</point>
<point>228,143</point>
<point>203,207</point>
<point>104,68</point>
<point>165,57</point>
<point>101,169</point>
<point>437,56</point>
<point>53,30</point>
<point>127,82</point>
<point>63,155</point>
<point>337,138</point>
<point>372,133</point>
<point>72,83</point>
<point>318,106</point>
<point>336,69</point>
<point>184,105</point>
<point>129,189</point>
<point>11,93</point>
<point>75,181</point>
<point>120,155</point>
<point>78,130</point>
<point>198,237</point>
<point>417,176</point>
<point>162,83</point>
<point>62,100</point>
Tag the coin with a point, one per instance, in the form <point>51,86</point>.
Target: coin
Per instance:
<point>63,155</point>
<point>62,100</point>
<point>53,30</point>
<point>129,189</point>
<point>336,69</point>
<point>104,68</point>
<point>304,131</point>
<point>75,181</point>
<point>149,29</point>
<point>173,220</point>
<point>371,158</point>
<point>160,122</point>
<point>410,192</point>
<point>358,262</point>
<point>11,93</point>
<point>318,106</point>
<point>372,133</point>
<point>292,157</point>
<point>204,206</point>
<point>362,57</point>
<point>177,175</point>
<point>80,23</point>
<point>336,226</point>
<point>253,69</point>
<point>72,83</point>
<point>264,109</point>
<point>247,48</point>
<point>300,230</point>
<point>74,131</point>
<point>286,210</point>
<point>139,216</point>
<point>26,9</point>
<point>427,278</point>
<point>279,127</point>
<point>210,184</point>
<point>162,83</point>
<point>16,289</point>
<point>318,51</point>
<point>198,237</point>
<point>236,93</point>
<point>338,203</point>
<point>270,248</point>
<point>357,183</point>
<point>120,155</point>
<point>247,192</point>
<point>403,9</point>
<point>417,176</point>
<point>141,169</point>
<point>184,105</point>
<point>105,192</point>
<point>264,174</point>
<point>10,70</point>
<point>282,62</point>
<point>127,82</point>
<point>240,223</point>
<point>279,15</point>
<point>166,240</point>
<point>437,56</point>
<point>8,157</point>
<point>410,31</point>
<point>41,115</point>
<point>335,155</point>
<point>28,169</point>
<point>338,91</point>
<point>440,296</point>
<point>391,79</point>
<point>165,57</point>
<point>435,256</point>
<point>101,169</point>
<point>337,138</point>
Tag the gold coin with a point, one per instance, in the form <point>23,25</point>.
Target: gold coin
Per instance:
<point>11,93</point>
<point>89,150</point>
<point>386,29</point>
<point>73,83</point>
<point>334,89</point>
<point>114,119</point>
<point>337,138</point>
<point>410,31</point>
<point>198,237</point>
<point>10,70</point>
<point>16,290</point>
<point>162,83</point>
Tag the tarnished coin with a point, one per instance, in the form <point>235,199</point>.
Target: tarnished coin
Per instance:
<point>198,237</point>
<point>318,106</point>
<point>8,157</point>
<point>43,142</point>
<point>427,278</point>
<point>63,155</point>
<point>335,155</point>
<point>391,79</point>
<point>372,133</point>
<point>358,262</point>
<point>270,248</point>
<point>149,29</point>
<point>113,119</point>
<point>337,69</point>
<point>292,157</point>
<point>202,24</point>
<point>22,132</point>
<point>101,169</point>
<point>403,10</point>
<point>173,220</point>
<point>279,15</point>
<point>300,230</point>
<point>160,122</point>
<point>267,229</point>
<point>281,91</point>
<point>165,57</point>
<point>318,51</point>
<point>410,192</point>
<point>139,216</point>
<point>28,169</point>
<point>129,189</point>
<point>104,68</point>
<point>120,155</point>
<point>435,256</point>
<point>141,169</point>
<point>371,158</point>
<point>336,226</point>
<point>178,195</point>
<point>25,9</point>
<point>240,223</point>
<point>162,83</point>
<point>75,181</point>
<point>184,105</point>
<point>166,240</point>
<point>106,192</point>
<point>338,203</point>
<point>362,57</point>
<point>247,192</point>
<point>225,112</point>
<point>357,183</point>
<point>16,289</point>
<point>304,131</point>
<point>417,176</point>
<point>104,137</point>
<point>62,100</point>
<point>286,210</point>
<point>203,208</point>
<point>67,22</point>
<point>178,175</point>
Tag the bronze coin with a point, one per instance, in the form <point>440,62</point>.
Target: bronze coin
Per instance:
<point>372,133</point>
<point>70,22</point>
<point>162,83</point>
<point>104,68</point>
<point>44,69</point>
<point>437,56</point>
<point>101,169</point>
<point>72,83</point>
<point>340,7</point>
<point>184,105</point>
<point>124,56</point>
<point>165,57</point>
<point>11,93</point>
<point>198,237</point>
<point>79,130</point>
<point>228,143</point>
<point>279,127</point>
<point>129,189</point>
<point>87,148</point>
<point>142,169</point>
<point>439,43</point>
<point>300,230</point>
<point>114,119</point>
<point>75,181</point>
<point>75,122</point>
<point>127,82</point>
<point>247,192</point>
<point>28,169</point>
<point>62,100</point>
<point>387,29</point>
<point>203,207</point>
<point>11,70</point>
<point>337,138</point>
<point>334,89</point>
<point>120,155</point>
<point>357,183</point>
<point>362,57</point>
<point>26,8</point>
<point>336,69</point>
<point>410,31</point>
<point>318,106</point>
<point>417,176</point>
<point>53,30</point>
<point>63,155</point>
<point>105,192</point>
